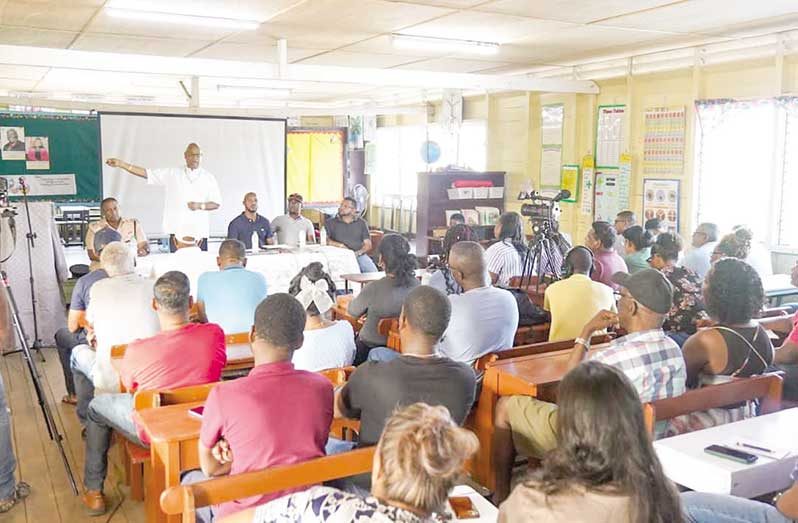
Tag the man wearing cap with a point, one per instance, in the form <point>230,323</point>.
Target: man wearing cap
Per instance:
<point>74,334</point>
<point>289,226</point>
<point>249,221</point>
<point>191,192</point>
<point>650,359</point>
<point>129,229</point>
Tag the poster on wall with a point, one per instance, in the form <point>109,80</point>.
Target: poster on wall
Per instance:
<point>551,124</point>
<point>550,166</point>
<point>606,195</point>
<point>570,182</point>
<point>12,143</point>
<point>661,201</point>
<point>42,184</point>
<point>587,185</point>
<point>37,154</point>
<point>610,135</point>
<point>663,141</point>
<point>624,182</point>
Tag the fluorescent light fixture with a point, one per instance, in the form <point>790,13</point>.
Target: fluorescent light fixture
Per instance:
<point>252,91</point>
<point>434,43</point>
<point>127,10</point>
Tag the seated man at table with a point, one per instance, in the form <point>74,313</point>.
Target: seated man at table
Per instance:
<point>350,231</point>
<point>484,318</point>
<point>248,222</point>
<point>119,311</point>
<point>275,416</point>
<point>377,388</point>
<point>229,296</point>
<point>181,355</point>
<point>649,358</point>
<point>574,300</point>
<point>129,229</point>
<point>289,226</point>
<point>74,334</point>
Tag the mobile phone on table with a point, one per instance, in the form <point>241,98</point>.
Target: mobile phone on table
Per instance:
<point>196,412</point>
<point>733,454</point>
<point>463,508</point>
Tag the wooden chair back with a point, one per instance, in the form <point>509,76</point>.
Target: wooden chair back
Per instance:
<point>766,388</point>
<point>338,376</point>
<point>389,327</point>
<point>535,348</point>
<point>149,399</point>
<point>238,338</point>
<point>118,351</point>
<point>185,499</point>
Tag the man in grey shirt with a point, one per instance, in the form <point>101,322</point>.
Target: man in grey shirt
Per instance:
<point>350,231</point>
<point>288,226</point>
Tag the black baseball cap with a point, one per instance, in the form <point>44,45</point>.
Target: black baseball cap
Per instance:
<point>649,287</point>
<point>105,236</point>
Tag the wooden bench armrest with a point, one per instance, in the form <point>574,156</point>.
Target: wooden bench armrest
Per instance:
<point>238,338</point>
<point>187,498</point>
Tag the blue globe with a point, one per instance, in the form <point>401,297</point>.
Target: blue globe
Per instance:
<point>430,152</point>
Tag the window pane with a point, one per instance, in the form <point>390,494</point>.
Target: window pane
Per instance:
<point>788,217</point>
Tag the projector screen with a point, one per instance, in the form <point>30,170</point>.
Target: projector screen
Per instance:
<point>244,154</point>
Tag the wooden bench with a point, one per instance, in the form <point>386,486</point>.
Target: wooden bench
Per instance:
<point>766,388</point>
<point>185,499</point>
<point>535,348</point>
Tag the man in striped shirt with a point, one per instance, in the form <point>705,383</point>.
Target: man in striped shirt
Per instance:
<point>647,356</point>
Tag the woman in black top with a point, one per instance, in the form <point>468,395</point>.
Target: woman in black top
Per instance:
<point>736,345</point>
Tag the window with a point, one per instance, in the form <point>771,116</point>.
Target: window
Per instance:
<point>747,167</point>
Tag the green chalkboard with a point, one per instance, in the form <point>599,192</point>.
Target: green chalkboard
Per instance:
<point>73,145</point>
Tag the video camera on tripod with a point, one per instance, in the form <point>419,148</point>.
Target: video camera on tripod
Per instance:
<point>544,211</point>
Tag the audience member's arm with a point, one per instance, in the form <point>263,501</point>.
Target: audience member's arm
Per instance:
<point>92,255</point>
<point>365,248</point>
<point>787,354</point>
<point>696,357</point>
<point>339,408</point>
<point>601,321</point>
<point>201,316</point>
<point>242,516</point>
<point>788,502</point>
<point>214,456</point>
<point>346,402</point>
<point>210,462</point>
<point>783,324</point>
<point>359,306</point>
<point>311,232</point>
<point>76,320</point>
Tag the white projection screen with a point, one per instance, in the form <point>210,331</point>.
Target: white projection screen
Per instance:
<point>244,154</point>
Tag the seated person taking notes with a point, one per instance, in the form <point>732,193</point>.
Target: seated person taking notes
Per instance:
<point>274,416</point>
<point>129,229</point>
<point>350,231</point>
<point>229,296</point>
<point>647,356</point>
<point>181,355</point>
<point>248,222</point>
<point>289,226</point>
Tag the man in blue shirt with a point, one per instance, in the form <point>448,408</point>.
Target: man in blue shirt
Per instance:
<point>74,334</point>
<point>249,221</point>
<point>229,297</point>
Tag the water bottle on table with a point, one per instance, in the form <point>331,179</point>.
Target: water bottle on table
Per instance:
<point>255,241</point>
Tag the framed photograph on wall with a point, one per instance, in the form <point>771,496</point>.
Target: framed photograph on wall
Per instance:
<point>661,201</point>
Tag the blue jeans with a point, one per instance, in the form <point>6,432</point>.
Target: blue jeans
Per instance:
<point>107,412</point>
<point>8,464</point>
<point>678,337</point>
<point>366,263</point>
<point>382,354</point>
<point>700,507</point>
<point>82,363</point>
<point>359,485</point>
<point>202,514</point>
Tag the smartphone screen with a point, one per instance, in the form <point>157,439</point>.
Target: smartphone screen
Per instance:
<point>463,508</point>
<point>732,454</point>
<point>196,411</point>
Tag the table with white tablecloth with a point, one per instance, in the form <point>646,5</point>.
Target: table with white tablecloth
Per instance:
<point>277,266</point>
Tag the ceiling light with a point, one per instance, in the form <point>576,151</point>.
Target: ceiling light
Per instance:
<point>123,9</point>
<point>433,43</point>
<point>252,91</point>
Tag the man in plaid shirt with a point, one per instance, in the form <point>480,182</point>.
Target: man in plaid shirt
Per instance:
<point>649,358</point>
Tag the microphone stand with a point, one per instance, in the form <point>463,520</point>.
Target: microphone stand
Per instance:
<point>30,244</point>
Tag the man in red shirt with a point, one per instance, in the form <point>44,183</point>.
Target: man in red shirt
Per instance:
<point>181,355</point>
<point>275,416</point>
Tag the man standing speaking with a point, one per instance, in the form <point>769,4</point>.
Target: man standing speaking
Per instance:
<point>191,192</point>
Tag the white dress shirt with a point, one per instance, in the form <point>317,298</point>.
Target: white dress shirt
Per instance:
<point>185,185</point>
<point>698,259</point>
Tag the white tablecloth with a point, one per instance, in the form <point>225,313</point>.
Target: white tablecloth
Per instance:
<point>278,269</point>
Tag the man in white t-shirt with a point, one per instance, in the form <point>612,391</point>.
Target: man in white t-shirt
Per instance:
<point>289,226</point>
<point>191,192</point>
<point>484,318</point>
<point>698,259</point>
<point>120,311</point>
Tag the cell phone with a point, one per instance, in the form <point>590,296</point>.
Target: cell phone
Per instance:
<point>733,454</point>
<point>463,508</point>
<point>196,412</point>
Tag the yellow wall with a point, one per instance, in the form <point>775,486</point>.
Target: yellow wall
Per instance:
<point>514,123</point>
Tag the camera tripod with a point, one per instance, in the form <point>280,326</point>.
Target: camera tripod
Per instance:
<point>52,428</point>
<point>539,260</point>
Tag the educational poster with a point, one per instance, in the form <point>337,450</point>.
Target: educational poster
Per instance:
<point>663,142</point>
<point>606,196</point>
<point>570,182</point>
<point>551,125</point>
<point>37,152</point>
<point>42,185</point>
<point>587,185</point>
<point>355,130</point>
<point>610,136</point>
<point>661,201</point>
<point>12,142</point>
<point>624,182</point>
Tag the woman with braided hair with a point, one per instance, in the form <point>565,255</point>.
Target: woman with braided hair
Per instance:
<point>442,278</point>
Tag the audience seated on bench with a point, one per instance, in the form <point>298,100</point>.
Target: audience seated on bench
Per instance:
<point>327,344</point>
<point>419,459</point>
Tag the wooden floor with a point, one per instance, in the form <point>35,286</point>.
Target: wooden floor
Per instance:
<point>38,460</point>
